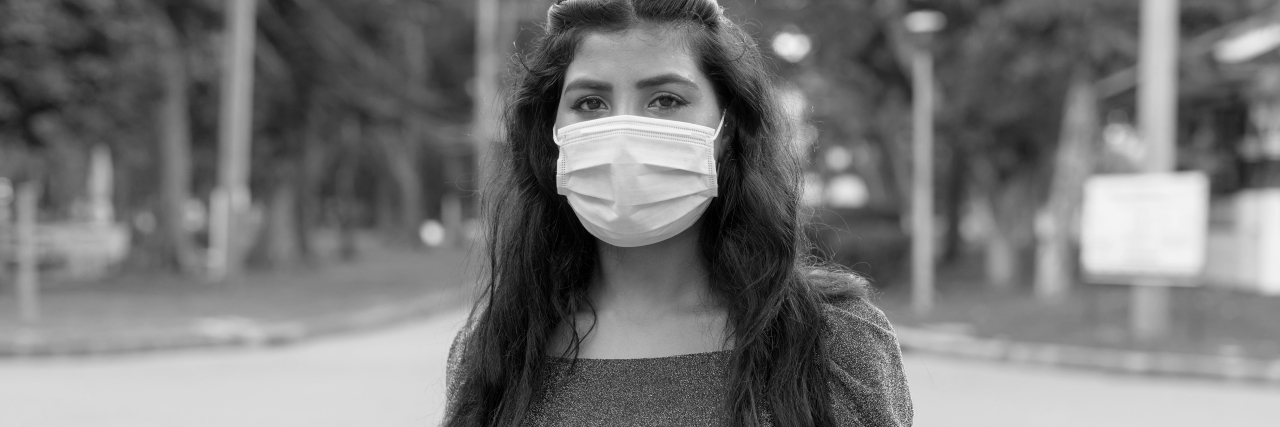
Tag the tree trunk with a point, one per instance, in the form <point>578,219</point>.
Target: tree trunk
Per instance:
<point>1073,162</point>
<point>953,203</point>
<point>1000,249</point>
<point>310,171</point>
<point>891,12</point>
<point>348,204</point>
<point>1002,264</point>
<point>891,170</point>
<point>1009,207</point>
<point>402,155</point>
<point>281,238</point>
<point>175,148</point>
<point>385,205</point>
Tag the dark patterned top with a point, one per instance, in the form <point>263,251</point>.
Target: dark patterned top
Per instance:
<point>868,387</point>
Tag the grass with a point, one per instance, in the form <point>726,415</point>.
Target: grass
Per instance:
<point>138,305</point>
<point>1205,321</point>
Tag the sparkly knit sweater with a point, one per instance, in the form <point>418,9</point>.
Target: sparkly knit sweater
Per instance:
<point>867,384</point>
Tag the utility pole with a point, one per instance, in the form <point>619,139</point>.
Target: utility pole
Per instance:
<point>922,23</point>
<point>1157,115</point>
<point>488,62</point>
<point>484,113</point>
<point>235,128</point>
<point>413,133</point>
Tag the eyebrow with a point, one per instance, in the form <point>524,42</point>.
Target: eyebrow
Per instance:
<point>659,80</point>
<point>665,79</point>
<point>588,84</point>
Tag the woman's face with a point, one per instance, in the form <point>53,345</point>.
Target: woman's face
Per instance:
<point>644,71</point>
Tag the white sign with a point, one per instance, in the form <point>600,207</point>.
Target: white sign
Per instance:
<point>1145,225</point>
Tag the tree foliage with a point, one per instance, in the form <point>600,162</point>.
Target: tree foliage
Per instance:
<point>74,73</point>
<point>376,92</point>
<point>1003,69</point>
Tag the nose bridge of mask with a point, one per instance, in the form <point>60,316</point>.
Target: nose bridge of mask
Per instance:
<point>601,142</point>
<point>623,143</point>
<point>667,128</point>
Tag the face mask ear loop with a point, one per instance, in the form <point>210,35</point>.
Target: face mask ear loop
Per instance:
<point>719,127</point>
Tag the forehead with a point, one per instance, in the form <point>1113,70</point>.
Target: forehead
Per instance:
<point>633,54</point>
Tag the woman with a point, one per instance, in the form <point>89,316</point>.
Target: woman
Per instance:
<point>645,244</point>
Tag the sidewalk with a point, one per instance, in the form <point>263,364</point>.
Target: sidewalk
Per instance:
<point>135,314</point>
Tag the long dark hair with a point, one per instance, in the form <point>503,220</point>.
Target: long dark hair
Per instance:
<point>751,239</point>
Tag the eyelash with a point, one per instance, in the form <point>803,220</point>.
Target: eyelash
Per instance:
<point>679,102</point>
<point>577,106</point>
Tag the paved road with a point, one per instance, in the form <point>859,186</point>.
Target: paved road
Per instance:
<point>388,378</point>
<point>395,378</point>
<point>962,393</point>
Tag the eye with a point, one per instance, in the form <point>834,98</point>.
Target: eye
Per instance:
<point>666,101</point>
<point>588,104</point>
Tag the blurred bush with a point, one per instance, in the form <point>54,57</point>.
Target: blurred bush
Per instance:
<point>868,241</point>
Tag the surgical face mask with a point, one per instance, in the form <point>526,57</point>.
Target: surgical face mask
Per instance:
<point>634,181</point>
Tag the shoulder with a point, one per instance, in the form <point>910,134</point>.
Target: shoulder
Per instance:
<point>453,368</point>
<point>866,379</point>
<point>455,351</point>
<point>857,316</point>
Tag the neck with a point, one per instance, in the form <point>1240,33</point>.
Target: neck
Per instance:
<point>657,278</point>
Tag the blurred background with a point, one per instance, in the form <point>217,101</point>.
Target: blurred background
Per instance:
<point>262,212</point>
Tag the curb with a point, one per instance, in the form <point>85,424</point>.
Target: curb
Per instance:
<point>1227,368</point>
<point>237,331</point>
